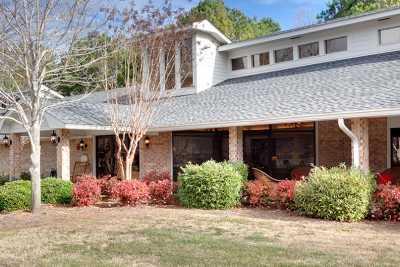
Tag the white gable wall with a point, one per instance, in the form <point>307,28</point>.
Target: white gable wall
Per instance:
<point>363,39</point>
<point>210,66</point>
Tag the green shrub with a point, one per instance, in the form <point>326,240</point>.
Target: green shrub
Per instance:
<point>56,191</point>
<point>26,176</point>
<point>339,193</point>
<point>4,179</point>
<point>240,167</point>
<point>210,185</point>
<point>15,195</point>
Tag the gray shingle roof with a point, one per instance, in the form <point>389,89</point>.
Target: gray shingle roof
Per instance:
<point>334,89</point>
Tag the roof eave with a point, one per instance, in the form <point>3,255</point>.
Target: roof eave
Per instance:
<point>283,119</point>
<point>207,27</point>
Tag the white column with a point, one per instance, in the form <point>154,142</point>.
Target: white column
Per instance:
<point>296,55</point>
<point>63,155</point>
<point>235,144</point>
<point>162,70</point>
<point>321,47</point>
<point>178,68</point>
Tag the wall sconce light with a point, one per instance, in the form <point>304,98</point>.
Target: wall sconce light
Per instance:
<point>147,141</point>
<point>54,139</point>
<point>6,141</point>
<point>82,144</point>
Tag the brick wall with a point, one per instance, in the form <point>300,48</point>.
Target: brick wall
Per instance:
<point>4,160</point>
<point>334,146</point>
<point>158,155</point>
<point>378,144</point>
<point>48,157</point>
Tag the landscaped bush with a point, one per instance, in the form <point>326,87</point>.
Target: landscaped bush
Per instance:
<point>338,193</point>
<point>240,167</point>
<point>284,193</point>
<point>26,176</point>
<point>257,193</point>
<point>86,191</point>
<point>106,184</point>
<point>386,203</point>
<point>156,176</point>
<point>210,185</point>
<point>300,173</point>
<point>56,191</point>
<point>4,179</point>
<point>385,177</point>
<point>15,195</point>
<point>131,192</point>
<point>161,191</point>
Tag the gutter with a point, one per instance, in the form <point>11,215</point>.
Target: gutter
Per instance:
<point>355,144</point>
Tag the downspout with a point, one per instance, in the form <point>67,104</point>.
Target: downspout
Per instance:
<point>355,144</point>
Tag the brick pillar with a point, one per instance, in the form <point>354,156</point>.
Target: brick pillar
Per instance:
<point>63,155</point>
<point>15,155</point>
<point>235,144</point>
<point>157,156</point>
<point>360,129</point>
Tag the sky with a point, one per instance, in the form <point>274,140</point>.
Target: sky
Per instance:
<point>289,13</point>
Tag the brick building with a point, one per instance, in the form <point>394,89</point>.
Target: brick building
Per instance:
<point>322,95</point>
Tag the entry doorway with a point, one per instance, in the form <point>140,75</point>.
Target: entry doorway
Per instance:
<point>106,163</point>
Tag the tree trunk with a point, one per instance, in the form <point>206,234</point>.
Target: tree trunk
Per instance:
<point>35,167</point>
<point>120,163</point>
<point>130,157</point>
<point>128,167</point>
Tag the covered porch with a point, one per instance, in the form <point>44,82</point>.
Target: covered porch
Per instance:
<point>278,149</point>
<point>65,153</point>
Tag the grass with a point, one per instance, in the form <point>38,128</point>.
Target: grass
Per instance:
<point>150,236</point>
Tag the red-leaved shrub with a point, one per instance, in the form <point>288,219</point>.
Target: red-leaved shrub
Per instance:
<point>86,191</point>
<point>300,173</point>
<point>161,191</point>
<point>131,192</point>
<point>106,183</point>
<point>257,193</point>
<point>385,177</point>
<point>386,203</point>
<point>284,193</point>
<point>153,176</point>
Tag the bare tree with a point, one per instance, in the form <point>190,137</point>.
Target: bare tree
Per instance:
<point>303,17</point>
<point>37,43</point>
<point>148,48</point>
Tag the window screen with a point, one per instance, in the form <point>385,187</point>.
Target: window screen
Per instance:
<point>389,36</point>
<point>283,55</point>
<point>309,50</point>
<point>336,45</point>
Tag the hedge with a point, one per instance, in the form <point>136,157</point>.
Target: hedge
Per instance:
<point>210,185</point>
<point>56,191</point>
<point>339,193</point>
<point>16,195</point>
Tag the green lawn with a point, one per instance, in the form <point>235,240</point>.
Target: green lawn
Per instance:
<point>150,236</point>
